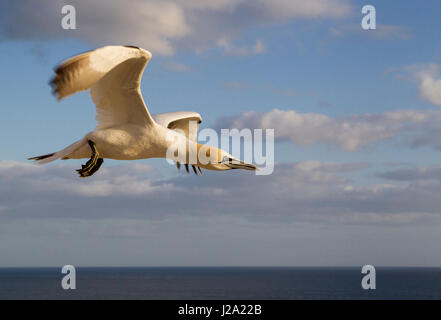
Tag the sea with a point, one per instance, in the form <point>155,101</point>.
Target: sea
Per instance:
<point>224,283</point>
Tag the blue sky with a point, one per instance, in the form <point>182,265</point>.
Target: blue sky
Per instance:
<point>305,68</point>
<point>360,112</point>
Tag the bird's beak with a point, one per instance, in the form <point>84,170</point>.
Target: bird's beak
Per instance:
<point>239,164</point>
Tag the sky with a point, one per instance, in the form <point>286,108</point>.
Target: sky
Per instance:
<point>356,116</point>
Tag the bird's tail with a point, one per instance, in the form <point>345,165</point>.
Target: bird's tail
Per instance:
<point>63,154</point>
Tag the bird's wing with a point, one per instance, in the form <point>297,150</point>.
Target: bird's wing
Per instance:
<point>113,75</point>
<point>187,121</point>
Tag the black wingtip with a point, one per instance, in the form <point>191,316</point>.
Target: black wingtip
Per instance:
<point>41,157</point>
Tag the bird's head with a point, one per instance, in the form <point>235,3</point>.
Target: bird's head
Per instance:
<point>212,158</point>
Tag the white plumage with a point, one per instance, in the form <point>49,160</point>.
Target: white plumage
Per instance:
<point>125,129</point>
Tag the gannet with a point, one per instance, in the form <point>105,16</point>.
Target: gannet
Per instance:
<point>125,129</point>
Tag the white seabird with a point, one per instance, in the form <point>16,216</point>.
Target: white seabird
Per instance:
<point>126,130</point>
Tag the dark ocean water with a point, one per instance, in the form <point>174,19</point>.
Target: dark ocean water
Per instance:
<point>220,283</point>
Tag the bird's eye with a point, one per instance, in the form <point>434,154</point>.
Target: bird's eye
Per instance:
<point>227,159</point>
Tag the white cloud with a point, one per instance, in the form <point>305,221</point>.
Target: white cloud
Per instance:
<point>311,191</point>
<point>413,174</point>
<point>160,26</point>
<point>383,31</point>
<point>124,217</point>
<point>153,24</point>
<point>297,8</point>
<point>211,5</point>
<point>429,81</point>
<point>230,49</point>
<point>348,132</point>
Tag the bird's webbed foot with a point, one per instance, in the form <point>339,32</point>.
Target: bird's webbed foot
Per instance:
<point>93,164</point>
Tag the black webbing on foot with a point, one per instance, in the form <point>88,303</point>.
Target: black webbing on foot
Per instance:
<point>93,164</point>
